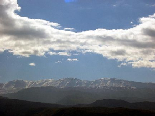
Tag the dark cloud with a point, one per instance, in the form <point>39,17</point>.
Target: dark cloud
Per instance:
<point>149,32</point>
<point>118,52</point>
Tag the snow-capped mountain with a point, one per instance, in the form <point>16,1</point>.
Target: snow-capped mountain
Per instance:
<point>16,85</point>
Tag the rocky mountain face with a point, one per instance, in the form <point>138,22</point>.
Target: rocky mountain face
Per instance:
<point>16,85</point>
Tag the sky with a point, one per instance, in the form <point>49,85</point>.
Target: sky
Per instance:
<point>84,39</point>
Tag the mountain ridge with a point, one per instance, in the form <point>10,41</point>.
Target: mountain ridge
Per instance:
<point>16,85</point>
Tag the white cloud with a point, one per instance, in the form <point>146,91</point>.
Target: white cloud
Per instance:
<point>23,36</point>
<point>122,64</point>
<point>59,53</point>
<point>63,54</point>
<point>32,64</point>
<point>52,53</point>
<point>58,62</point>
<point>68,29</point>
<point>69,59</point>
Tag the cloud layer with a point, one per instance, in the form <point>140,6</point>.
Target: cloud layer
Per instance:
<point>24,36</point>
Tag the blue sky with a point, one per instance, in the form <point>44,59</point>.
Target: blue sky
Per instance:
<point>88,14</point>
<point>86,39</point>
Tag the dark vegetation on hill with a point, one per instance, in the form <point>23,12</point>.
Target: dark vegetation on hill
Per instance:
<point>97,111</point>
<point>113,103</point>
<point>14,107</point>
<point>109,107</point>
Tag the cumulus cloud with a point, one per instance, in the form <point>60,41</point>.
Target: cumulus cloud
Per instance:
<point>69,59</point>
<point>59,53</point>
<point>25,37</point>
<point>32,64</point>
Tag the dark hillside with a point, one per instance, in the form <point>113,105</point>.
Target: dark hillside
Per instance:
<point>13,107</point>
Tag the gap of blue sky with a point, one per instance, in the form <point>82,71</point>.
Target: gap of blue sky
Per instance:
<point>89,14</point>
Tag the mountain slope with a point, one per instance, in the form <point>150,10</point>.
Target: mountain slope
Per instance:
<point>53,95</point>
<point>81,95</point>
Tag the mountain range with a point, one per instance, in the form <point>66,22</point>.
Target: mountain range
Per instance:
<point>16,85</point>
<point>105,96</point>
<point>81,95</point>
<point>73,91</point>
